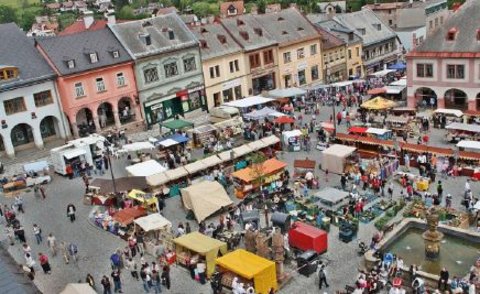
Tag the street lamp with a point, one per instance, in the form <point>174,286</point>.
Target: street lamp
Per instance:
<point>107,144</point>
<point>334,117</point>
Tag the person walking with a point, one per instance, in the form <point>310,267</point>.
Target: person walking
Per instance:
<point>52,244</point>
<point>117,282</point>
<point>322,277</point>
<point>144,275</point>
<point>38,233</point>
<point>107,286</point>
<point>166,277</point>
<point>440,189</point>
<point>43,192</point>
<point>30,262</point>
<point>19,203</point>
<point>64,249</point>
<point>156,282</point>
<point>89,280</point>
<point>115,260</point>
<point>71,212</point>
<point>132,267</point>
<point>73,251</point>
<point>20,233</point>
<point>43,259</point>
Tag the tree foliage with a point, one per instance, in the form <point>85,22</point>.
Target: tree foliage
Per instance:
<point>201,9</point>
<point>7,14</point>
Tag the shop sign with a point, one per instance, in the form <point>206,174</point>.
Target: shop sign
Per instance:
<point>183,95</point>
<point>156,106</point>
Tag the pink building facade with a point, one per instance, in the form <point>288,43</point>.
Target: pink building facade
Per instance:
<point>96,82</point>
<point>444,71</point>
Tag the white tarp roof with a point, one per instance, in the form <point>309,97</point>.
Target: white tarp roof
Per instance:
<point>69,154</point>
<point>173,174</point>
<point>241,150</point>
<point>157,179</point>
<point>288,92</point>
<point>377,131</point>
<point>195,167</point>
<point>270,140</point>
<point>464,127</point>
<point>225,155</point>
<point>74,288</point>
<point>397,119</point>
<point>205,204</point>
<point>339,150</point>
<point>145,169</point>
<point>292,133</point>
<point>211,161</point>
<point>153,222</point>
<point>35,166</point>
<point>257,145</point>
<point>394,89</point>
<point>456,112</point>
<point>249,101</point>
<point>401,82</point>
<point>382,73</point>
<point>262,113</point>
<point>137,146</point>
<point>469,144</point>
<point>167,142</point>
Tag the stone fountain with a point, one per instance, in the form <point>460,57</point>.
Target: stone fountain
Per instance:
<point>432,236</point>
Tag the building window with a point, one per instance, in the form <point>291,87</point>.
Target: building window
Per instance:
<point>430,24</point>
<point>424,70</point>
<point>93,58</point>
<point>455,71</point>
<point>234,67</point>
<point>390,22</point>
<point>227,95</point>
<point>254,60</point>
<point>71,63</point>
<point>287,57</point>
<point>441,19</point>
<point>43,98</point>
<point>349,53</point>
<point>330,56</point>
<point>214,71</point>
<point>357,51</point>
<point>116,54</point>
<point>150,75</point>
<point>238,92</point>
<point>8,73</point>
<point>14,105</point>
<point>325,59</point>
<point>120,79</point>
<point>301,77</point>
<point>313,49</point>
<point>268,56</point>
<point>170,69</point>
<point>79,91</point>
<point>300,53</point>
<point>100,85</point>
<point>189,64</point>
<point>314,72</point>
<point>336,55</point>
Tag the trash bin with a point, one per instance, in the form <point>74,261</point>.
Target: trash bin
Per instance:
<point>326,224</point>
<point>281,220</point>
<point>307,262</point>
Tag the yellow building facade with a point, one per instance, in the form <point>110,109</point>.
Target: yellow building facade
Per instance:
<point>354,60</point>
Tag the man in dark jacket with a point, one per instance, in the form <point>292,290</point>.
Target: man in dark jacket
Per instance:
<point>443,281</point>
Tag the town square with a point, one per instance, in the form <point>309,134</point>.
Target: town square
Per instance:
<point>261,148</point>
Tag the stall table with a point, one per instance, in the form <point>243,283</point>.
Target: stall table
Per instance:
<point>156,228</point>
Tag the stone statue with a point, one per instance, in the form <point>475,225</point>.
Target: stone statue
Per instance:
<point>250,240</point>
<point>263,249</point>
<point>277,246</point>
<point>432,236</point>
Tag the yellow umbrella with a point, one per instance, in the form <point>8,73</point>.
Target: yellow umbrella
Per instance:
<point>378,103</point>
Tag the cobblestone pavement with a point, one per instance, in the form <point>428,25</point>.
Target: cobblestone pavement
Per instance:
<point>95,245</point>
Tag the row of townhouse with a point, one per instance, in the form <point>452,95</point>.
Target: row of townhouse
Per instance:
<point>152,70</point>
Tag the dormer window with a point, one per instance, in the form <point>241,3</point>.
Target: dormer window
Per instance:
<point>203,44</point>
<point>240,22</point>
<point>232,10</point>
<point>93,57</point>
<point>280,18</point>
<point>147,23</point>
<point>116,54</point>
<point>451,34</point>
<point>244,35</point>
<point>71,63</point>
<point>171,35</point>
<point>300,29</point>
<point>146,39</point>
<point>284,33</point>
<point>222,39</point>
<point>258,31</point>
<point>7,73</point>
<point>362,31</point>
<point>378,26</point>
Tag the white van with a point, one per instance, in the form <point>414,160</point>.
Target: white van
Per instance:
<point>222,113</point>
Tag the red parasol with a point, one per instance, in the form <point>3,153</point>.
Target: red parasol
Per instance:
<point>284,120</point>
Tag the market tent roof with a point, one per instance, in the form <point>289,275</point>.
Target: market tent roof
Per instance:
<point>344,83</point>
<point>167,142</point>
<point>256,145</point>
<point>153,222</point>
<point>469,144</point>
<point>455,112</point>
<point>199,243</point>
<point>173,174</point>
<point>376,91</point>
<point>204,129</point>
<point>331,195</point>
<point>378,103</point>
<point>241,150</point>
<point>122,184</point>
<point>157,179</point>
<point>400,82</point>
<point>268,167</point>
<point>288,92</point>
<point>377,131</point>
<point>284,120</point>
<point>226,155</point>
<point>397,119</point>
<point>211,161</point>
<point>177,124</point>
<point>270,140</point>
<point>464,127</point>
<point>262,113</point>
<point>249,101</point>
<point>382,73</point>
<point>35,166</point>
<point>304,163</point>
<point>205,198</point>
<point>128,215</point>
<point>137,146</point>
<point>398,66</point>
<point>179,138</point>
<point>145,169</point>
<point>358,130</point>
<point>292,133</point>
<point>339,150</point>
<point>74,153</point>
<point>83,288</point>
<point>251,266</point>
<point>195,167</point>
<point>394,89</point>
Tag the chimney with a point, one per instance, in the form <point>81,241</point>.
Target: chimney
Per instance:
<point>110,15</point>
<point>88,19</point>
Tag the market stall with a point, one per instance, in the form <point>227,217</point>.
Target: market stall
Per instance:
<point>145,169</point>
<point>249,268</point>
<point>177,125</point>
<point>121,184</point>
<point>399,125</point>
<point>404,111</point>
<point>230,127</point>
<point>116,222</point>
<point>469,145</point>
<point>378,103</point>
<point>202,134</point>
<point>194,247</point>
<point>306,237</point>
<point>266,112</point>
<point>335,158</point>
<point>292,139</point>
<point>245,103</point>
<point>331,201</point>
<point>36,167</point>
<point>156,228</point>
<point>249,179</point>
<point>357,130</point>
<point>177,180</point>
<point>157,180</point>
<point>138,146</point>
<point>382,134</point>
<point>460,131</point>
<point>204,204</point>
<point>147,200</point>
<point>83,288</point>
<point>303,166</point>
<point>287,92</point>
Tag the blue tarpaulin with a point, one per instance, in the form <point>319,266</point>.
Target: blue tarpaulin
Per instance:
<point>179,138</point>
<point>398,66</point>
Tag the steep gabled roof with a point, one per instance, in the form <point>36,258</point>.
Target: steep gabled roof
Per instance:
<point>329,41</point>
<point>340,31</point>
<point>79,26</point>
<point>248,32</point>
<point>215,41</point>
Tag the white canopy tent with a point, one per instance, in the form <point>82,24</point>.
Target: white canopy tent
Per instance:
<point>195,167</point>
<point>383,72</point>
<point>145,169</point>
<point>257,145</point>
<point>241,150</point>
<point>464,127</point>
<point>226,155</point>
<point>74,153</point>
<point>395,90</point>
<point>377,131</point>
<point>263,113</point>
<point>157,179</point>
<point>168,143</point>
<point>138,146</point>
<point>177,173</point>
<point>469,144</point>
<point>447,111</point>
<point>74,288</point>
<point>289,134</point>
<point>270,140</point>
<point>153,222</point>
<point>400,82</point>
<point>288,92</point>
<point>211,161</point>
<point>333,158</point>
<point>249,101</point>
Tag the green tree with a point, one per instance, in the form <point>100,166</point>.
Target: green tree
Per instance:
<point>201,9</point>
<point>262,6</point>
<point>126,13</point>
<point>7,14</point>
<point>27,20</point>
<point>214,9</point>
